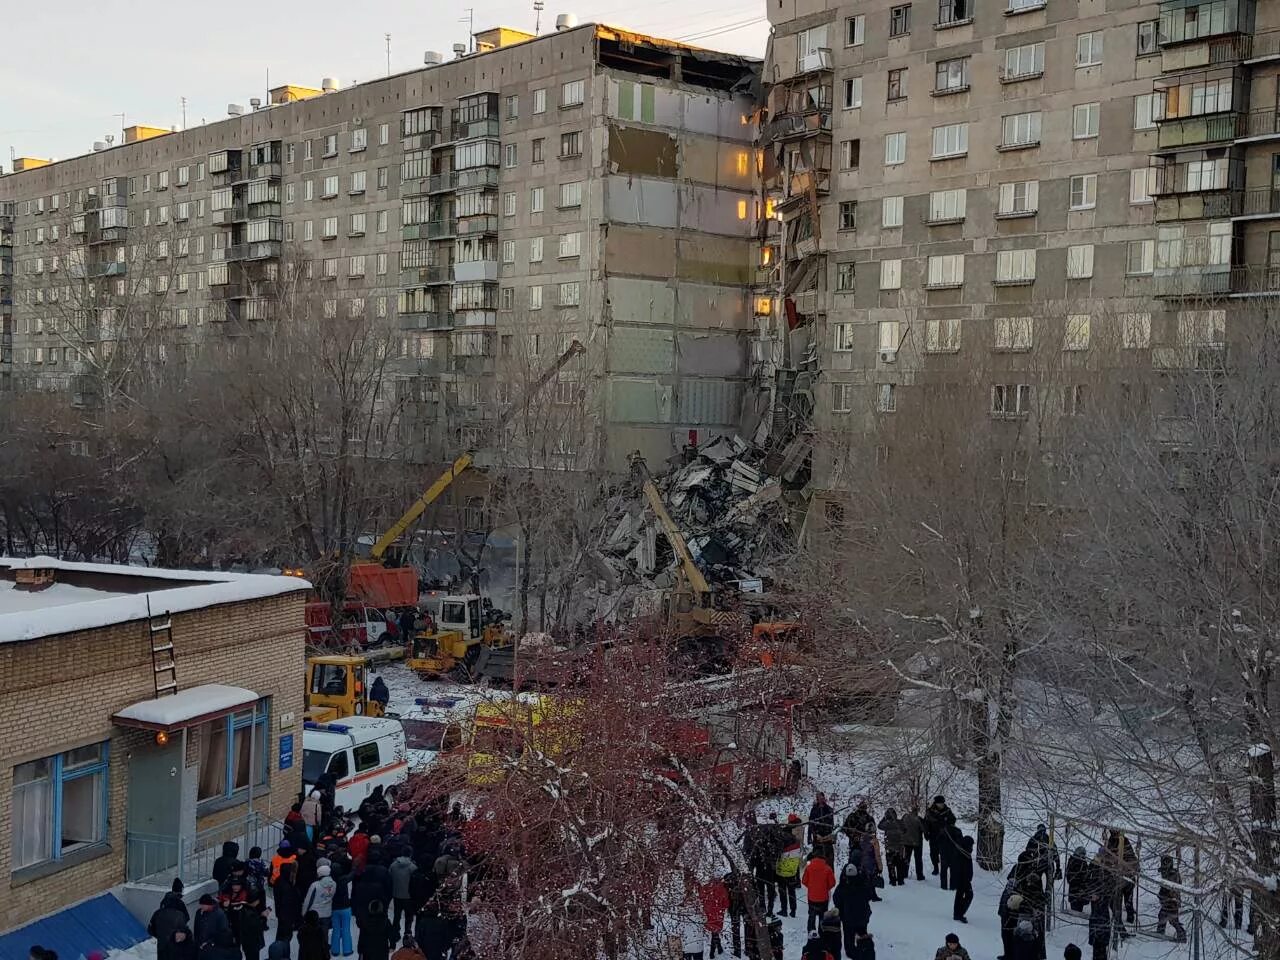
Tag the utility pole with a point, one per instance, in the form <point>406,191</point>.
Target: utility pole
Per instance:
<point>538,6</point>
<point>184,112</point>
<point>388,36</point>
<point>121,116</point>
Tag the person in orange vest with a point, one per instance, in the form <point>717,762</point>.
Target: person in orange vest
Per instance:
<point>284,854</point>
<point>819,880</point>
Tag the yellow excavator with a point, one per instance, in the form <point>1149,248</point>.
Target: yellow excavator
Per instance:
<point>466,623</point>
<point>689,607</point>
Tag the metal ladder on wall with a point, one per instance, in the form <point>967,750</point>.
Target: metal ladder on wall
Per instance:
<point>163,666</point>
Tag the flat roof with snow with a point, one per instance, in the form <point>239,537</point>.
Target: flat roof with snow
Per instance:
<point>45,597</point>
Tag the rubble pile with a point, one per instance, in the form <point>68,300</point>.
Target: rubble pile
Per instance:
<point>730,511</point>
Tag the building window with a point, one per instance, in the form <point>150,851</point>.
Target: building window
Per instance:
<point>947,205</point>
<point>951,140</point>
<point>1148,38</point>
<point>886,398</point>
<point>900,20</point>
<point>1203,328</point>
<point>1144,111</point>
<point>1011,399</point>
<point>895,149</point>
<point>946,271</point>
<point>59,805</point>
<point>1075,334</point>
<point>535,249</point>
<point>1013,333</point>
<point>888,336</point>
<point>1135,330</point>
<point>1080,261</point>
<point>844,278</point>
<point>184,177</point>
<point>571,194</point>
<point>571,144</point>
<point>382,221</point>
<point>890,274</point>
<point>1018,6</point>
<point>357,225</point>
<point>891,212</point>
<point>540,101</point>
<point>841,397</point>
<point>535,150</point>
<point>508,251</point>
<point>570,245</point>
<point>572,93</point>
<point>842,337</point>
<point>1084,121</point>
<point>850,154</point>
<point>359,140</point>
<point>897,84</point>
<point>510,155</point>
<point>382,178</point>
<point>942,336</point>
<point>329,309</point>
<point>513,107</point>
<point>536,199</point>
<point>1015,266</point>
<point>1023,62</point>
<point>570,294</point>
<point>953,12</point>
<point>1140,259</point>
<point>848,214</point>
<point>329,188</point>
<point>330,145</point>
<point>1019,199</point>
<point>1142,182</point>
<point>357,181</point>
<point>329,228</point>
<point>1084,191</point>
<point>1020,130</point>
<point>509,203</point>
<point>1089,49</point>
<point>384,134</point>
<point>355,268</point>
<point>535,297</point>
<point>951,76</point>
<point>852,93</point>
<point>226,746</point>
<point>855,30</point>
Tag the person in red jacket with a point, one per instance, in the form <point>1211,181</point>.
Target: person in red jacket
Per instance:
<point>715,904</point>
<point>819,880</point>
<point>358,847</point>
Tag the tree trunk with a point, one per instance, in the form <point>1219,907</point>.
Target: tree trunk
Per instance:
<point>525,578</point>
<point>990,846</point>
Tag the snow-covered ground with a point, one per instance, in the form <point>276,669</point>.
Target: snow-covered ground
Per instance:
<point>883,764</point>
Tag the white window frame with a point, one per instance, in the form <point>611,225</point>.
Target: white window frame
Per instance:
<point>1016,266</point>
<point>1075,333</point>
<point>1089,49</point>
<point>1024,127</point>
<point>950,140</point>
<point>855,30</point>
<point>946,270</point>
<point>1080,261</point>
<point>1085,120</point>
<point>1014,334</point>
<point>895,148</point>
<point>891,274</point>
<point>852,93</point>
<point>891,212</point>
<point>1083,191</point>
<point>947,205</point>
<point>1019,198</point>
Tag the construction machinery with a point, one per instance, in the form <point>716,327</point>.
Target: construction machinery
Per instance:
<point>688,609</point>
<point>467,625</point>
<point>337,687</point>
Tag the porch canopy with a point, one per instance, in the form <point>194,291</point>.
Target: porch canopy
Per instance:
<point>186,708</point>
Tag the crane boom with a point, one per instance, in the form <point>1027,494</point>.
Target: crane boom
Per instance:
<point>460,465</point>
<point>697,582</point>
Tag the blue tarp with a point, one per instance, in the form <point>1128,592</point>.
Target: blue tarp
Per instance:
<point>102,923</point>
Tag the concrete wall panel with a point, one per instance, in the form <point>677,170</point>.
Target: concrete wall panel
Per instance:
<point>635,150</point>
<point>706,306</point>
<point>639,251</point>
<point>641,301</point>
<point>706,354</point>
<point>708,402</point>
<point>641,350</point>
<point>632,200</point>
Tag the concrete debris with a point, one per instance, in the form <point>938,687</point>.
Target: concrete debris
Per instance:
<point>731,510</point>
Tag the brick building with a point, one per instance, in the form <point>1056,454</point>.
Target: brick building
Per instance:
<point>149,709</point>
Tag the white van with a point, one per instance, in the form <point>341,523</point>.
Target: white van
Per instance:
<point>361,753</point>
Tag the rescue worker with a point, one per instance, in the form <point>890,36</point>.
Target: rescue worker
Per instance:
<point>1170,897</point>
<point>913,841</point>
<point>1079,879</point>
<point>788,873</point>
<point>822,829</point>
<point>894,847</point>
<point>937,817</point>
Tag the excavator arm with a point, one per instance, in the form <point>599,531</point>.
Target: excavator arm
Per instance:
<point>697,582</point>
<point>459,466</point>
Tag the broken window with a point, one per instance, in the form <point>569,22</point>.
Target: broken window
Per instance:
<point>900,20</point>
<point>848,214</point>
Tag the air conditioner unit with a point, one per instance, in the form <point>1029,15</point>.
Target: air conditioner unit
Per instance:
<point>888,356</point>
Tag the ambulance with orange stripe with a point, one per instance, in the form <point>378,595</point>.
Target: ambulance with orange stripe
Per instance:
<point>360,752</point>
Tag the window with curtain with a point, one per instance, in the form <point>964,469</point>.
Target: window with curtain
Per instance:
<point>59,805</point>
<point>231,749</point>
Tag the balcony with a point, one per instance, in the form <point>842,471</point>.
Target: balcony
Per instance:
<point>470,226</point>
<point>1211,52</point>
<point>95,235</point>
<point>1260,125</point>
<point>1255,281</point>
<point>1266,46</point>
<point>815,61</point>
<point>1191,282</point>
<point>486,127</point>
<point>428,275</point>
<point>421,141</point>
<point>1178,132</point>
<point>242,211</point>
<point>426,320</point>
<point>1261,203</point>
<point>467,271</point>
<point>107,269</point>
<point>258,250</point>
<point>246,310</point>
<point>1199,205</point>
<point>476,177</point>
<point>441,182</point>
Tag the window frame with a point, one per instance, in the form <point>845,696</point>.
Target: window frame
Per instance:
<point>1092,112</point>
<point>1088,184</point>
<point>58,777</point>
<point>1093,41</point>
<point>900,20</point>
<point>259,718</point>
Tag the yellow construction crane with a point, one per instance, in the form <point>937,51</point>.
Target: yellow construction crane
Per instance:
<point>460,465</point>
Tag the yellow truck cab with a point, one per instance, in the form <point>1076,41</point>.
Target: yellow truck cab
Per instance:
<point>464,624</point>
<point>337,687</point>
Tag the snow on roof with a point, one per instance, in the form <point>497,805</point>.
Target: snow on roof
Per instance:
<point>68,607</point>
<point>179,709</point>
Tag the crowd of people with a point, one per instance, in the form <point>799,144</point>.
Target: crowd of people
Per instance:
<point>388,888</point>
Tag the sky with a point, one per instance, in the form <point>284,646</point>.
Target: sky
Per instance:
<point>71,67</point>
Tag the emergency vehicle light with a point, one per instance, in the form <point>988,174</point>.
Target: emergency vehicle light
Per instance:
<point>330,727</point>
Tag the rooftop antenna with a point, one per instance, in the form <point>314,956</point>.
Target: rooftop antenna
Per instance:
<point>184,112</point>
<point>121,116</point>
<point>470,20</point>
<point>388,36</point>
<point>538,6</point>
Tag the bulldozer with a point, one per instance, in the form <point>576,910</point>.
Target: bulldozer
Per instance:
<point>467,625</point>
<point>337,687</point>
